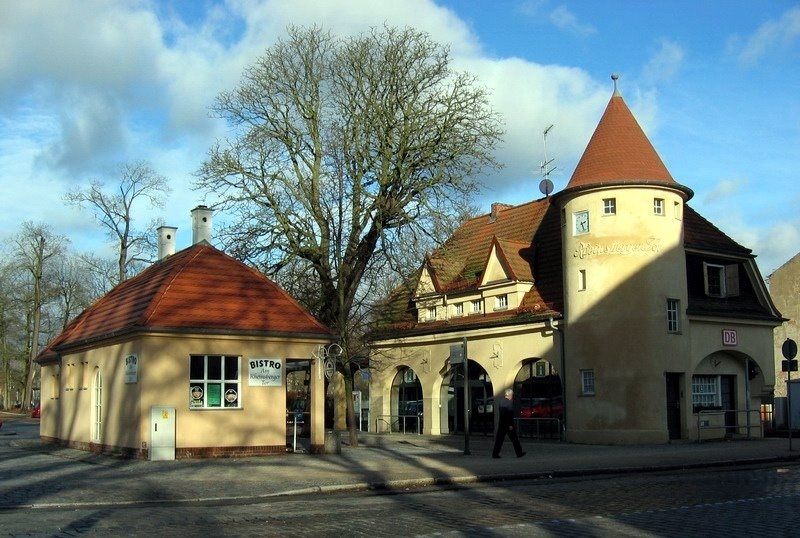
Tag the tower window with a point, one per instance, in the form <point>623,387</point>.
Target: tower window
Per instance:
<point>673,315</point>
<point>609,206</point>
<point>587,382</point>
<point>582,280</point>
<point>658,206</point>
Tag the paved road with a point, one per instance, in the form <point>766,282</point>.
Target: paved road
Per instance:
<point>558,489</point>
<point>723,502</point>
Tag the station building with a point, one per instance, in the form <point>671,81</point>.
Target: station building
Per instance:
<point>614,310</point>
<point>197,356</point>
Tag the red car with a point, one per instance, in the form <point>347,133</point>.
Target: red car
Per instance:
<point>542,408</point>
<point>37,411</point>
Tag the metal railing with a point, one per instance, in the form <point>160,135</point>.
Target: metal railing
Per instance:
<point>540,428</point>
<point>398,423</point>
<point>705,421</point>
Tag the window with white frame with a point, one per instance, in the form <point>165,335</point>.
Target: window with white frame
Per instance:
<point>214,382</point>
<point>705,391</point>
<point>609,206</point>
<point>673,315</point>
<point>476,306</point>
<point>658,206</point>
<point>587,382</point>
<point>501,302</point>
<point>431,313</point>
<point>721,280</point>
<point>458,309</point>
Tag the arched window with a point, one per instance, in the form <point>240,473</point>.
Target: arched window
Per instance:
<point>97,406</point>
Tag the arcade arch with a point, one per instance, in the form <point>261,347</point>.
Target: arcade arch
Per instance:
<point>481,397</point>
<point>407,401</point>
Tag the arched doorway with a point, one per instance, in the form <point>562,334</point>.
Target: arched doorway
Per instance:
<point>538,399</point>
<point>481,400</point>
<point>407,403</point>
<point>726,389</point>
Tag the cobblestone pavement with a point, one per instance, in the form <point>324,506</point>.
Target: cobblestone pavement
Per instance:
<point>739,501</point>
<point>36,475</point>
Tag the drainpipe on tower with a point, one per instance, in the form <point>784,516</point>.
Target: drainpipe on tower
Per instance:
<point>556,328</point>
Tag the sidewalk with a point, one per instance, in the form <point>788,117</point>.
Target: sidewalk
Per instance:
<point>35,475</point>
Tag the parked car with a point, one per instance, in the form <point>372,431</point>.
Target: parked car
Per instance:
<point>542,408</point>
<point>37,411</point>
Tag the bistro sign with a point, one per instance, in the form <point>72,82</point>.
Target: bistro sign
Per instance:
<point>265,372</point>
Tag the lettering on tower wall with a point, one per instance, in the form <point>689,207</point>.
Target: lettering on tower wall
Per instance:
<point>587,250</point>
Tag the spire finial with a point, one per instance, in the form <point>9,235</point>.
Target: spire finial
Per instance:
<point>615,77</point>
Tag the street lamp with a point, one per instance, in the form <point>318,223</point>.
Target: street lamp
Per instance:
<point>326,358</point>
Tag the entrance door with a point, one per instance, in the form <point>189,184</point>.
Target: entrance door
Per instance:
<point>674,405</point>
<point>298,405</point>
<point>728,401</point>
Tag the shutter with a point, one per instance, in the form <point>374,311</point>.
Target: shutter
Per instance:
<point>732,280</point>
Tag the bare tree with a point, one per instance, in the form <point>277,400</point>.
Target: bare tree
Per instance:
<point>342,147</point>
<point>113,208</point>
<point>36,247</point>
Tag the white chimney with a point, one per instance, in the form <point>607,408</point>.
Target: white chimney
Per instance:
<point>201,224</point>
<point>166,241</point>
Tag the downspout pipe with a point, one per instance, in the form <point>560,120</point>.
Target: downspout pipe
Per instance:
<point>556,328</point>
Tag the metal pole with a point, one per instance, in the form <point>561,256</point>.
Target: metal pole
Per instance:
<point>466,400</point>
<point>789,403</point>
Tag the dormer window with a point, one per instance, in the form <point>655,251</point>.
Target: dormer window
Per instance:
<point>501,302</point>
<point>431,313</point>
<point>721,280</point>
<point>476,306</point>
<point>458,309</point>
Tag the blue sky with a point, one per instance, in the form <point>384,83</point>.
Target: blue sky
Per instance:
<point>87,84</point>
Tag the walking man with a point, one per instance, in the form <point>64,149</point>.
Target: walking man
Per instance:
<point>506,426</point>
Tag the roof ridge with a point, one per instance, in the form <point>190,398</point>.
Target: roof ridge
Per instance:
<point>159,294</point>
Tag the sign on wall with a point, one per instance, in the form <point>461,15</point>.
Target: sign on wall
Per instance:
<point>265,372</point>
<point>729,337</point>
<point>132,368</point>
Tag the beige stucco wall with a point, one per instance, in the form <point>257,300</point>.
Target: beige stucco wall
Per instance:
<point>500,352</point>
<point>163,380</point>
<point>633,262</point>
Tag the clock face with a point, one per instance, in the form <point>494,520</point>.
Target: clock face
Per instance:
<point>581,222</point>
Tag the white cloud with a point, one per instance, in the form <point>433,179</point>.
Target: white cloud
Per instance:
<point>88,83</point>
<point>564,19</point>
<point>724,190</point>
<point>783,31</point>
<point>665,63</point>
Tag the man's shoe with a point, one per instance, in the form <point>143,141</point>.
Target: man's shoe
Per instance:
<point>496,456</point>
<point>521,454</point>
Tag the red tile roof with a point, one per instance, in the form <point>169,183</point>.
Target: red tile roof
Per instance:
<point>198,289</point>
<point>619,152</point>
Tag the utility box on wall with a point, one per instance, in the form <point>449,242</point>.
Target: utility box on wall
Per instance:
<point>162,433</point>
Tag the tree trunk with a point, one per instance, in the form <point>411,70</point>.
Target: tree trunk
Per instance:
<point>351,415</point>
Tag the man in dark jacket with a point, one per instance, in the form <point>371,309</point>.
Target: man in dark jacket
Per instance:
<point>506,426</point>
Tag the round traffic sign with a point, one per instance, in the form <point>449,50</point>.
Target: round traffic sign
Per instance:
<point>789,349</point>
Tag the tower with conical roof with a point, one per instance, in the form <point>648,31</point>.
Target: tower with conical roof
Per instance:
<point>625,290</point>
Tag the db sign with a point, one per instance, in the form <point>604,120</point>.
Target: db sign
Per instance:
<point>729,337</point>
